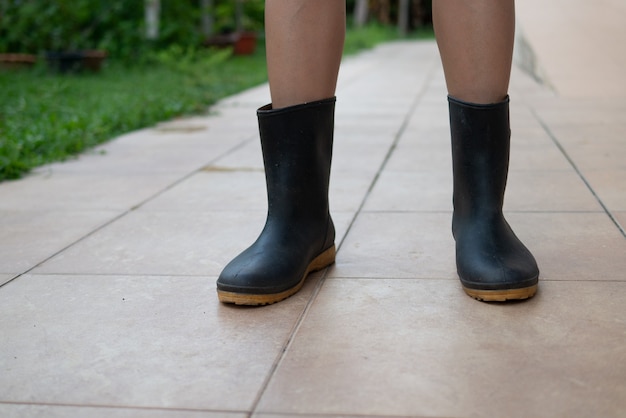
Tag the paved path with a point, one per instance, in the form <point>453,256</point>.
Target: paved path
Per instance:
<point>109,264</point>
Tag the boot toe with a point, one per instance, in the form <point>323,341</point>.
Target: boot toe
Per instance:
<point>259,274</point>
<point>499,263</point>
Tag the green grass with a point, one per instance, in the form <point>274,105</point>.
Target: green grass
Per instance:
<point>47,117</point>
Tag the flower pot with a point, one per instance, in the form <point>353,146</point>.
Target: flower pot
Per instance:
<point>17,61</point>
<point>245,43</point>
<point>225,40</point>
<point>92,59</point>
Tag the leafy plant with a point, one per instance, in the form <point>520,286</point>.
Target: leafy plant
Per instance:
<point>117,26</point>
<point>46,117</point>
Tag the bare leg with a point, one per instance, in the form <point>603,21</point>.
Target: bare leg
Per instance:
<point>475,39</point>
<point>304,46</point>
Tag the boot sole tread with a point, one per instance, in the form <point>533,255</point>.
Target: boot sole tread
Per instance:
<point>501,295</point>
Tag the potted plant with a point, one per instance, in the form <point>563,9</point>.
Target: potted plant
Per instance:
<point>92,59</point>
<point>238,22</point>
<point>245,43</point>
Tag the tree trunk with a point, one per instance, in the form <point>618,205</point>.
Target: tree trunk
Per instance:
<point>361,9</point>
<point>404,11</point>
<point>239,15</point>
<point>152,10</point>
<point>384,11</point>
<point>208,21</point>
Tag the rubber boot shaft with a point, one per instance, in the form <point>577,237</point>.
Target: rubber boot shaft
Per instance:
<point>489,255</point>
<point>297,151</point>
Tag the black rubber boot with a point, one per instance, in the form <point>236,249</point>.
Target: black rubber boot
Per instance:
<point>492,262</point>
<point>298,237</point>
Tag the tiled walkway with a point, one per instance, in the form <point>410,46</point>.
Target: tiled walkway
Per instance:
<point>109,307</point>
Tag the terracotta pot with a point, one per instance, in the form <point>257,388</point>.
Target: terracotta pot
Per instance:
<point>220,41</point>
<point>245,43</point>
<point>93,59</point>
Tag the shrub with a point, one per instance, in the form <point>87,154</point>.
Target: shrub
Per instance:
<point>34,26</point>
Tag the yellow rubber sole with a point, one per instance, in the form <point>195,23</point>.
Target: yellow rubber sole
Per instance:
<point>501,295</point>
<point>323,260</point>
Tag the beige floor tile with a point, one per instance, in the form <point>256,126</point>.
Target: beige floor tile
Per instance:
<point>53,411</point>
<point>148,242</point>
<point>526,127</point>
<point>526,191</point>
<point>397,245</point>
<point>621,219</point>
<point>567,246</point>
<point>429,148</point>
<point>156,161</point>
<point>369,123</point>
<point>537,154</point>
<point>248,156</point>
<point>550,191</point>
<point>215,189</point>
<point>351,150</point>
<point>29,237</point>
<point>143,341</point>
<point>254,96</point>
<point>373,93</point>
<point>434,137</point>
<point>348,190</point>
<point>74,191</point>
<point>610,186</point>
<point>218,188</point>
<point>433,115</point>
<point>572,113</point>
<point>359,154</point>
<point>357,125</point>
<point>433,94</point>
<point>526,87</point>
<point>573,246</point>
<point>371,110</point>
<point>420,156</point>
<point>270,415</point>
<point>153,151</point>
<point>162,243</point>
<point>357,102</point>
<point>599,147</point>
<point>411,191</point>
<point>423,348</point>
<point>5,278</point>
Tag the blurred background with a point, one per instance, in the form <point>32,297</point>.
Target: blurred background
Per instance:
<point>124,29</point>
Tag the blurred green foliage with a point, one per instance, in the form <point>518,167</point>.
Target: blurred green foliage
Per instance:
<point>117,26</point>
<point>47,117</point>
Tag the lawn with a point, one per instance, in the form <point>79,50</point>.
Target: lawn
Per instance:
<point>47,117</point>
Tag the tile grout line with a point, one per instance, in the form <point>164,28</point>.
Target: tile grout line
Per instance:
<point>301,317</point>
<point>390,151</point>
<point>118,407</point>
<point>556,142</point>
